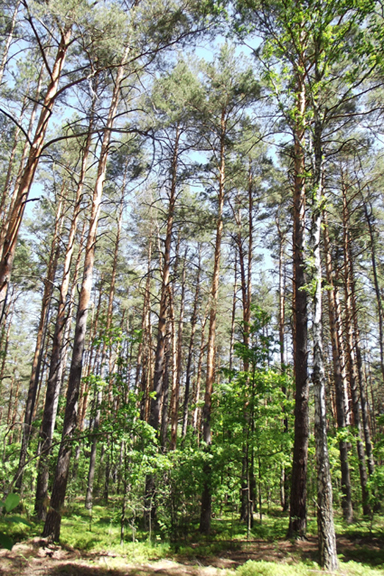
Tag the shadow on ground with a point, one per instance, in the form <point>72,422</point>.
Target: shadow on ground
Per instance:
<point>37,558</point>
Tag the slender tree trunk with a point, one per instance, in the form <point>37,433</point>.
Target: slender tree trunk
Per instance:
<point>325,524</point>
<point>92,459</point>
<point>191,347</point>
<point>298,501</point>
<point>196,396</point>
<point>179,359</point>
<point>5,215</point>
<point>372,234</point>
<point>165,384</point>
<point>351,358</point>
<point>233,315</point>
<point>36,148</point>
<point>6,329</point>
<point>53,521</point>
<point>39,348</point>
<point>7,44</point>
<point>339,378</point>
<point>96,423</point>
<point>284,480</point>
<point>163,312</point>
<point>142,366</point>
<point>206,498</point>
<point>57,361</point>
<point>360,374</point>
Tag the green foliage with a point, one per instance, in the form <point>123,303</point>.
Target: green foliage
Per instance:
<point>263,568</point>
<point>11,502</point>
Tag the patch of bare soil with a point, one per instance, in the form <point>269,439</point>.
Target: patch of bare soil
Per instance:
<point>39,558</point>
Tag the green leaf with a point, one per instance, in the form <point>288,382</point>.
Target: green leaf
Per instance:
<point>11,502</point>
<point>5,541</point>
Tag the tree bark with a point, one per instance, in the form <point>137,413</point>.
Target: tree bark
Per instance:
<point>372,233</point>
<point>339,377</point>
<point>360,374</point>
<point>351,358</point>
<point>298,501</point>
<point>206,498</point>
<point>325,524</point>
<point>99,396</point>
<point>163,312</point>
<point>39,348</point>
<point>191,347</point>
<point>53,521</point>
<point>179,359</point>
<point>56,363</point>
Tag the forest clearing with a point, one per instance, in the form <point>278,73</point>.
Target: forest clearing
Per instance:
<point>191,287</point>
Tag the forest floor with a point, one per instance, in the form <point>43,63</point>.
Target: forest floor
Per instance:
<point>35,557</point>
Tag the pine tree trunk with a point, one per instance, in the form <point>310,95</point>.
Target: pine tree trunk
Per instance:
<point>5,215</point>
<point>96,423</point>
<point>298,500</point>
<point>196,395</point>
<point>284,480</point>
<point>142,367</point>
<point>53,520</point>
<point>39,348</point>
<point>57,362</point>
<point>206,498</point>
<point>360,374</point>
<point>16,215</point>
<point>339,378</point>
<point>163,312</point>
<point>372,232</point>
<point>179,344</point>
<point>92,459</point>
<point>191,347</point>
<point>325,524</point>
<point>351,357</point>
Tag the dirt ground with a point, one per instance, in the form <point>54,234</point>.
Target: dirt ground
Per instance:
<point>38,558</point>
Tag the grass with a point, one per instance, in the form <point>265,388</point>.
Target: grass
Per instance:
<point>362,543</point>
<point>251,568</point>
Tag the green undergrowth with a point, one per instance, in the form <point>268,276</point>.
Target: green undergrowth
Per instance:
<point>252,568</point>
<point>362,552</point>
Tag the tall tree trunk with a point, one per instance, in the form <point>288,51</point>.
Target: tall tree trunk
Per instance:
<point>360,373</point>
<point>99,397</point>
<point>325,524</point>
<point>163,312</point>
<point>196,417</point>
<point>372,234</point>
<point>284,481</point>
<point>233,316</point>
<point>16,215</point>
<point>298,501</point>
<point>339,377</point>
<point>351,358</point>
<point>191,347</point>
<point>179,359</point>
<point>56,363</point>
<point>39,348</point>
<point>142,354</point>
<point>53,520</point>
<point>206,498</point>
<point>5,215</point>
